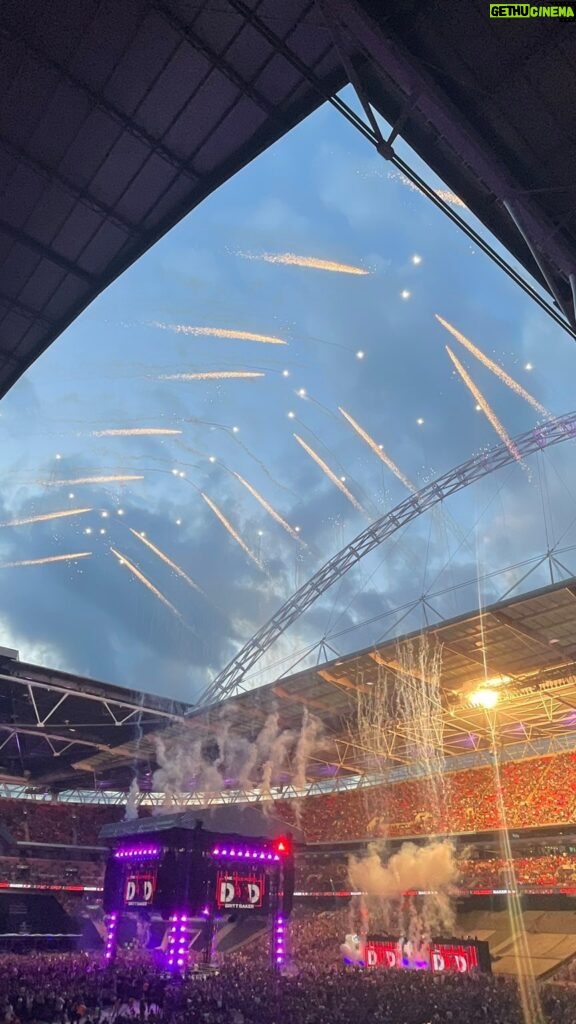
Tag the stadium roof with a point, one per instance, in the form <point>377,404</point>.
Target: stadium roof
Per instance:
<point>117,119</point>
<point>100,733</point>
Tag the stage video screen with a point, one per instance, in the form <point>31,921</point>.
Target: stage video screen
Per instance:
<point>140,887</point>
<point>241,891</point>
<point>437,956</point>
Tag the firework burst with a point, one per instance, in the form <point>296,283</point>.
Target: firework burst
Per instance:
<point>330,474</point>
<point>377,449</point>
<point>233,533</point>
<point>214,375</point>
<point>145,582</point>
<point>486,408</point>
<point>168,561</point>
<point>291,259</point>
<point>220,332</point>
<point>495,369</point>
<point>46,561</point>
<point>47,517</point>
<point>268,508</point>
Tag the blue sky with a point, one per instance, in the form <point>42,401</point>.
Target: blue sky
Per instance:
<point>320,192</point>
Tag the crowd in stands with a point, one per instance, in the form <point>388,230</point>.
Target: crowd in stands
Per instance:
<point>328,872</point>
<point>538,792</point>
<point>77,989</point>
<point>44,871</point>
<point>30,821</point>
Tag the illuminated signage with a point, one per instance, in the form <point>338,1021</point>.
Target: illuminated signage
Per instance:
<point>236,891</point>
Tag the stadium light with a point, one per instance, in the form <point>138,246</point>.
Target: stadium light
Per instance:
<point>484,698</point>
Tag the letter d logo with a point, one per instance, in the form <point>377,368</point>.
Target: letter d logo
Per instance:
<point>226,893</point>
<point>371,958</point>
<point>130,891</point>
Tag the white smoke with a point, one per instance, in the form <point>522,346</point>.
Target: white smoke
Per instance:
<point>225,759</point>
<point>132,801</point>
<point>429,871</point>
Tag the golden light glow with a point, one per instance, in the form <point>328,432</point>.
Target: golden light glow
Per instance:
<point>391,465</point>
<point>136,432</point>
<point>168,561</point>
<point>493,367</point>
<point>233,533</point>
<point>486,409</point>
<point>330,474</point>
<point>484,698</point>
<point>47,517</point>
<point>214,375</point>
<point>47,561</point>
<point>292,259</point>
<point>220,332</point>
<point>145,581</point>
<point>268,508</point>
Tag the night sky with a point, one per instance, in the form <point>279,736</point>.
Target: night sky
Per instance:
<point>366,343</point>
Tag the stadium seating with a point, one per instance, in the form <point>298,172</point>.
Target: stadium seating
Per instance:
<point>538,792</point>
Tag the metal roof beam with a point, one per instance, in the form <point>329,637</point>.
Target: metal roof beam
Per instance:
<point>45,253</point>
<point>99,102</point>
<point>390,57</point>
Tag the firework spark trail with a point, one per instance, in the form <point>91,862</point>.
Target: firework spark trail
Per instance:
<point>121,479</point>
<point>145,581</point>
<point>486,409</point>
<point>268,508</point>
<point>377,450</point>
<point>291,259</point>
<point>491,365</point>
<point>220,332</point>
<point>136,432</point>
<point>330,474</point>
<point>168,561</point>
<point>47,561</point>
<point>228,526</point>
<point>214,375</point>
<point>442,193</point>
<point>47,517</point>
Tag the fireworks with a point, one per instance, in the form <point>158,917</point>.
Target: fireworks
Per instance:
<point>228,526</point>
<point>331,475</point>
<point>290,259</point>
<point>214,375</point>
<point>136,432</point>
<point>220,332</point>
<point>486,409</point>
<point>442,193</point>
<point>119,479</point>
<point>145,581</point>
<point>491,365</point>
<point>168,561</point>
<point>47,561</point>
<point>268,508</point>
<point>47,517</point>
<point>377,449</point>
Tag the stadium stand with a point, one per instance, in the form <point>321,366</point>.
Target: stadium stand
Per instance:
<point>538,792</point>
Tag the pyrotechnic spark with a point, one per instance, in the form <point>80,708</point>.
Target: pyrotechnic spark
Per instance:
<point>291,259</point>
<point>136,432</point>
<point>120,479</point>
<point>220,332</point>
<point>213,375</point>
<point>145,581</point>
<point>47,517</point>
<point>491,365</point>
<point>168,561</point>
<point>442,193</point>
<point>486,409</point>
<point>228,526</point>
<point>47,561</point>
<point>268,508</point>
<point>377,449</point>
<point>331,475</point>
